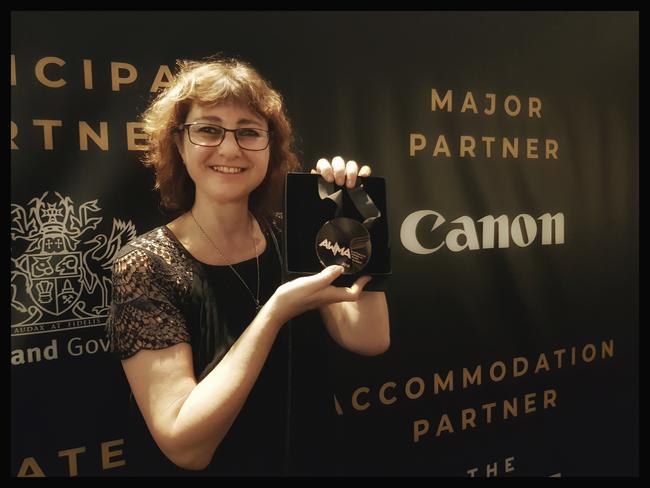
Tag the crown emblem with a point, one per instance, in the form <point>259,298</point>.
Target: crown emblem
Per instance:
<point>44,289</point>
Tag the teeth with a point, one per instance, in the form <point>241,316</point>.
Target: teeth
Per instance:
<point>226,169</point>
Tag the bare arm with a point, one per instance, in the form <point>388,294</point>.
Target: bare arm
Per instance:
<point>360,326</point>
<point>188,420</point>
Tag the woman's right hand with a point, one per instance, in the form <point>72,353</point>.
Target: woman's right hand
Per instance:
<point>309,292</point>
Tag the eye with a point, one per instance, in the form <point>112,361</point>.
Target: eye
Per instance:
<point>250,132</point>
<point>208,129</point>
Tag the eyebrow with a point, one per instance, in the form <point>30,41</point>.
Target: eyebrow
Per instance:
<point>214,118</point>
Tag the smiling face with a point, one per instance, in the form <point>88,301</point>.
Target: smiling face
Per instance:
<point>212,169</point>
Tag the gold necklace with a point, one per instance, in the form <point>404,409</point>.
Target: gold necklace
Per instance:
<point>255,299</point>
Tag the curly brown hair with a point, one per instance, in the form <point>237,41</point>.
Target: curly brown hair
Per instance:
<point>214,80</point>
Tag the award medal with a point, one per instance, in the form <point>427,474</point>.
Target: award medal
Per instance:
<point>342,240</point>
<point>345,242</point>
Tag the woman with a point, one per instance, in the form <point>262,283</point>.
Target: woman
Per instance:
<point>199,310</point>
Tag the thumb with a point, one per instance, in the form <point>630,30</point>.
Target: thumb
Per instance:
<point>325,277</point>
<point>330,273</point>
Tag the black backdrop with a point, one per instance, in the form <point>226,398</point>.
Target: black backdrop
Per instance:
<point>558,295</point>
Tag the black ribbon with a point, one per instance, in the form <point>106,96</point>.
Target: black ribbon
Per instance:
<point>359,197</point>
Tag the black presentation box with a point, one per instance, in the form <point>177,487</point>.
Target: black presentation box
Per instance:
<point>304,215</point>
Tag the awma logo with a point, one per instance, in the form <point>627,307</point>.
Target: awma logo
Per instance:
<point>463,233</point>
<point>343,251</point>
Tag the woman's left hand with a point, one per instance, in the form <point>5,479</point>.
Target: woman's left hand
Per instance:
<point>341,172</point>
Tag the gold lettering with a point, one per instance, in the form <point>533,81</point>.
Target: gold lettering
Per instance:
<point>407,389</point>
<point>158,82</point>
<point>493,376</point>
<point>14,133</point>
<point>85,132</point>
<point>534,107</point>
<point>488,411</point>
<point>448,383</point>
<point>588,357</point>
<point>559,353</point>
<point>337,406</point>
<point>88,74</point>
<point>444,425</point>
<point>549,398</point>
<point>529,402</point>
<point>441,146</point>
<point>513,149</point>
<point>542,362</point>
<point>420,427</point>
<point>436,102</point>
<point>132,136</point>
<point>524,366</point>
<point>551,148</point>
<point>506,105</point>
<point>472,378</point>
<point>355,396</point>
<point>39,70</point>
<point>72,458</point>
<point>531,148</point>
<point>382,393</point>
<point>30,463</point>
<point>13,70</point>
<point>417,142</point>
<point>108,454</point>
<point>468,416</point>
<point>607,348</point>
<point>509,466</point>
<point>488,145</point>
<point>47,125</point>
<point>467,144</point>
<point>469,103</point>
<point>493,103</point>
<point>117,80</point>
<point>510,408</point>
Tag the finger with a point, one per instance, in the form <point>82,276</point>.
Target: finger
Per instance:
<point>351,170</point>
<point>365,171</point>
<point>334,294</point>
<point>325,277</point>
<point>357,286</point>
<point>324,167</point>
<point>313,171</point>
<point>338,165</point>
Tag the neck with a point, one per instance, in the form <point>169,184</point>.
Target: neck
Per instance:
<point>229,221</point>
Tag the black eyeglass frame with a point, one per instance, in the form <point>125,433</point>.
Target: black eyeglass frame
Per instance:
<point>186,127</point>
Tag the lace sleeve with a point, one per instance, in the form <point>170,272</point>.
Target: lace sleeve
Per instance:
<point>144,312</point>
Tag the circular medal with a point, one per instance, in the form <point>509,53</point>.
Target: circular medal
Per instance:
<point>345,242</point>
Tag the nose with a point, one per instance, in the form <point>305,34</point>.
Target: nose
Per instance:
<point>229,145</point>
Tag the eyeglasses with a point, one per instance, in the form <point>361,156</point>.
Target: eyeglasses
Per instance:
<point>211,135</point>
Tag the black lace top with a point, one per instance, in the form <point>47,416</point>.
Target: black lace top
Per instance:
<point>163,296</point>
